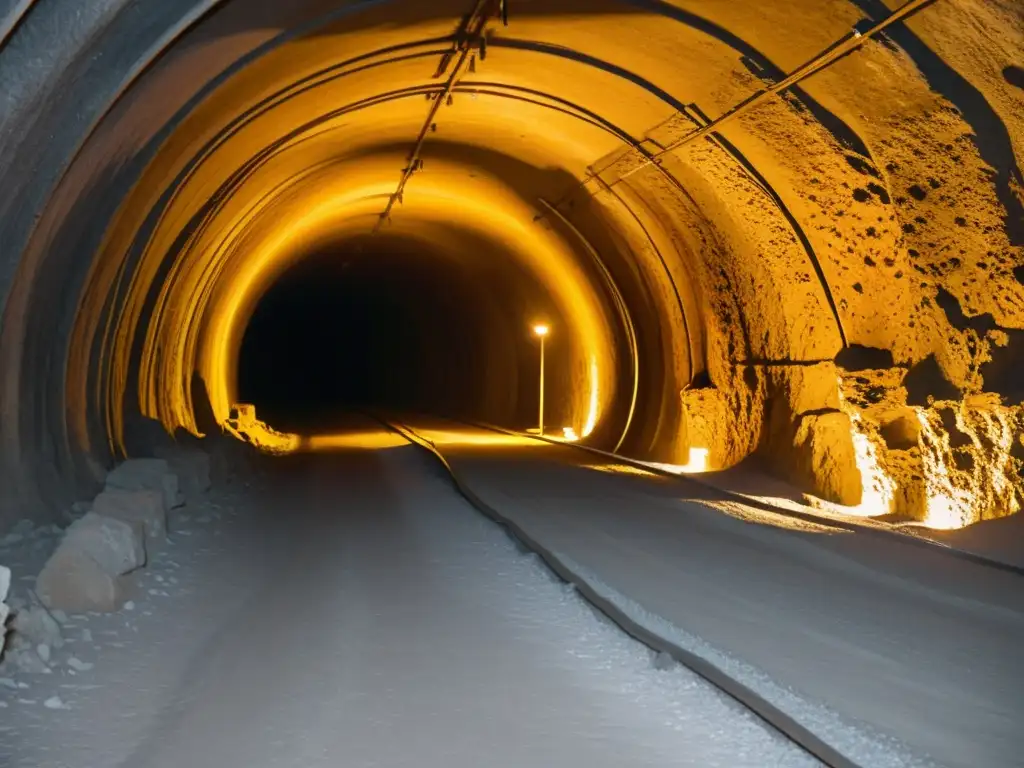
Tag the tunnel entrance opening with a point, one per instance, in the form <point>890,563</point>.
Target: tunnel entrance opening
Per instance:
<point>386,325</point>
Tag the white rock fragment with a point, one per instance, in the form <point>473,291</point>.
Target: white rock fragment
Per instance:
<point>37,625</point>
<point>28,661</point>
<point>148,474</point>
<point>5,588</point>
<point>145,507</point>
<point>7,682</point>
<point>78,665</point>
<point>55,702</point>
<point>130,605</point>
<point>43,651</point>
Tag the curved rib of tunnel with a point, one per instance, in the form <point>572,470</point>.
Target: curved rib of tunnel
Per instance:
<point>332,205</point>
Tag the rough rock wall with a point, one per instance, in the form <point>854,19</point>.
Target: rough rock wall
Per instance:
<point>909,194</point>
<point>948,463</point>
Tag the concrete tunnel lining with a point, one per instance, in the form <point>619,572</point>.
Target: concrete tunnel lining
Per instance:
<point>735,256</point>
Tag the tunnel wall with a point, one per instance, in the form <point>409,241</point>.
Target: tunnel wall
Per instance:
<point>831,283</point>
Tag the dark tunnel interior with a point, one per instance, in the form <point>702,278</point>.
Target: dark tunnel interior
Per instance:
<point>381,325</point>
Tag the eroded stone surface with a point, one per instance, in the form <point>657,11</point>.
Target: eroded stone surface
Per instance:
<point>147,474</point>
<point>74,582</point>
<point>143,507</point>
<point>116,546</point>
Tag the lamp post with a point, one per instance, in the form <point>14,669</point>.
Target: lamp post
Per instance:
<point>541,331</point>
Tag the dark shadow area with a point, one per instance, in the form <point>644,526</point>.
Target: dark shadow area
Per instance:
<point>1014,75</point>
<point>378,324</point>
<point>926,380</point>
<point>858,357</point>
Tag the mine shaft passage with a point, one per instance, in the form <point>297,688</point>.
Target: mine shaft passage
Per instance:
<point>786,234</point>
<point>753,268</point>
<point>389,325</point>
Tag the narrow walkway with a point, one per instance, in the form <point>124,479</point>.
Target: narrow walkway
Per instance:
<point>357,613</point>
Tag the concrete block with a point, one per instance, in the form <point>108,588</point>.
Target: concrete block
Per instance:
<point>115,545</point>
<point>144,507</point>
<point>148,474</point>
<point>72,581</point>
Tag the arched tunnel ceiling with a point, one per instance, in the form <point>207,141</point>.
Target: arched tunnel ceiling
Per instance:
<point>830,279</point>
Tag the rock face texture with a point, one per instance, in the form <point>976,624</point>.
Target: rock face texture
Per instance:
<point>143,508</point>
<point>84,574</point>
<point>74,582</point>
<point>714,289</point>
<point>148,475</point>
<point>5,588</point>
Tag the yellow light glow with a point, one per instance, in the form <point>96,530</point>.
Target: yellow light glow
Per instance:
<point>877,489</point>
<point>328,180</point>
<point>569,435</point>
<point>954,502</point>
<point>375,439</point>
<point>594,403</point>
<point>347,208</point>
<point>696,462</point>
<point>541,330</point>
<point>620,469</point>
<point>443,437</point>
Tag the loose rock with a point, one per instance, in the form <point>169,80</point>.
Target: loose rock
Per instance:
<point>27,661</point>
<point>74,582</point>
<point>36,625</point>
<point>5,587</point>
<point>116,546</point>
<point>148,474</point>
<point>144,507</point>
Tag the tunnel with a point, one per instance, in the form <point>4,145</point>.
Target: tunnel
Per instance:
<point>394,326</point>
<point>781,233</point>
<point>511,382</point>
